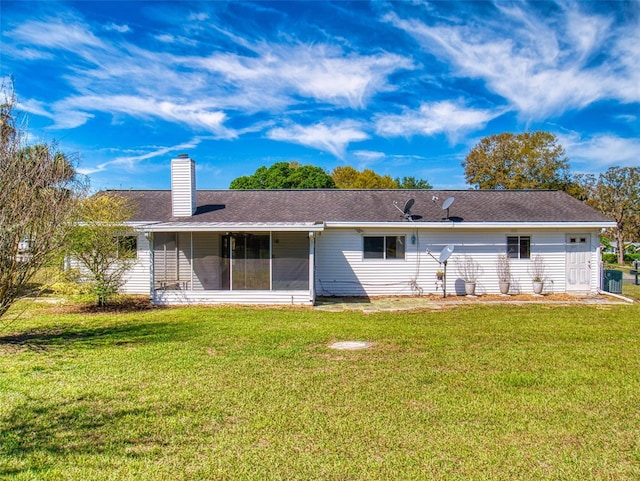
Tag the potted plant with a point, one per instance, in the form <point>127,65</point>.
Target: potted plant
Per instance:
<point>503,268</point>
<point>469,270</point>
<point>536,270</point>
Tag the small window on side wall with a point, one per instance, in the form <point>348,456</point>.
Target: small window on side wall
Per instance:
<point>519,247</point>
<point>127,247</point>
<point>384,247</point>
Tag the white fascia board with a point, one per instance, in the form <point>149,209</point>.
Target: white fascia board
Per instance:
<point>137,225</point>
<point>231,227</point>
<point>470,225</point>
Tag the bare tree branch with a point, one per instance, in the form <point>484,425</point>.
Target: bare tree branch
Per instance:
<point>39,190</point>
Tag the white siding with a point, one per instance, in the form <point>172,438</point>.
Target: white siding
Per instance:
<point>138,278</point>
<point>342,271</point>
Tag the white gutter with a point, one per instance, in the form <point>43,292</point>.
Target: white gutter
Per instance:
<point>230,227</point>
<point>471,225</point>
<point>320,226</point>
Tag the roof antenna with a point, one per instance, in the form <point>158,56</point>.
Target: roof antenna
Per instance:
<point>406,211</point>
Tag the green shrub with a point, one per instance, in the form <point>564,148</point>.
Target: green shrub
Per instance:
<point>613,258</point>
<point>62,282</point>
<point>632,257</point>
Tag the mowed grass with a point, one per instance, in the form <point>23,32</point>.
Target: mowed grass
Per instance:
<point>199,393</point>
<point>631,290</point>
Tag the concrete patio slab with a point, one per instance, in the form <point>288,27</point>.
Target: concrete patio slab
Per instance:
<point>410,303</point>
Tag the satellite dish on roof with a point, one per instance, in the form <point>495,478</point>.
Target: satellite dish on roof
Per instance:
<point>446,253</point>
<point>408,205</point>
<point>406,211</point>
<point>446,204</point>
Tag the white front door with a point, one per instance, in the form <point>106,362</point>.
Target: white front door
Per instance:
<point>578,262</point>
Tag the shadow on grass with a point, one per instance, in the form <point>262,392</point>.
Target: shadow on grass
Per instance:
<point>43,434</point>
<point>90,337</point>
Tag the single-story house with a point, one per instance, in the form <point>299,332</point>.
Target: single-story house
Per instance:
<point>289,246</point>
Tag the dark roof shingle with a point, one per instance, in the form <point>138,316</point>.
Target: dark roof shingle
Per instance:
<point>333,205</point>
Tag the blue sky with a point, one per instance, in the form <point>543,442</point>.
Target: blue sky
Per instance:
<point>403,88</point>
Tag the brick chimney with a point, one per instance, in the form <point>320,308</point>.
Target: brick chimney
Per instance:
<point>183,186</point>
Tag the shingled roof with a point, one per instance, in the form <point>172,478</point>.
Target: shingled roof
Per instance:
<point>377,206</point>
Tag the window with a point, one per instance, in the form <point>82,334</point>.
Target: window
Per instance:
<point>384,247</point>
<point>127,247</point>
<point>519,247</point>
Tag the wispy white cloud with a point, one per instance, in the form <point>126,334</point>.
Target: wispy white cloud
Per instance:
<point>332,138</point>
<point>198,16</point>
<point>445,117</point>
<point>368,155</point>
<point>166,37</point>
<point>117,28</point>
<point>541,67</point>
<point>196,114</point>
<point>316,71</point>
<point>365,159</point>
<point>173,39</point>
<point>66,33</point>
<point>598,152</point>
<point>131,161</point>
<point>196,90</point>
<point>287,77</point>
<point>35,107</point>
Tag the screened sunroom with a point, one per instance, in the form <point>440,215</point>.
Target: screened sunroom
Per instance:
<point>231,266</point>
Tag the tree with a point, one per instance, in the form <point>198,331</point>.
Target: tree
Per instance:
<point>103,244</point>
<point>413,183</point>
<point>285,175</point>
<point>39,190</point>
<point>530,160</point>
<point>616,193</point>
<point>346,177</point>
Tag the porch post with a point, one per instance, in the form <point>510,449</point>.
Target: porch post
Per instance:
<point>312,267</point>
<point>152,293</point>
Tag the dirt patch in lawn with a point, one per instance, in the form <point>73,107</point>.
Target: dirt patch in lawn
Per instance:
<point>437,302</point>
<point>120,305</point>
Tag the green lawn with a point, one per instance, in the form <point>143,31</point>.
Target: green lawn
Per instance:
<point>631,290</point>
<point>483,392</point>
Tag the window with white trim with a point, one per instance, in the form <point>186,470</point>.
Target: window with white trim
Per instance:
<point>383,247</point>
<point>519,247</point>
